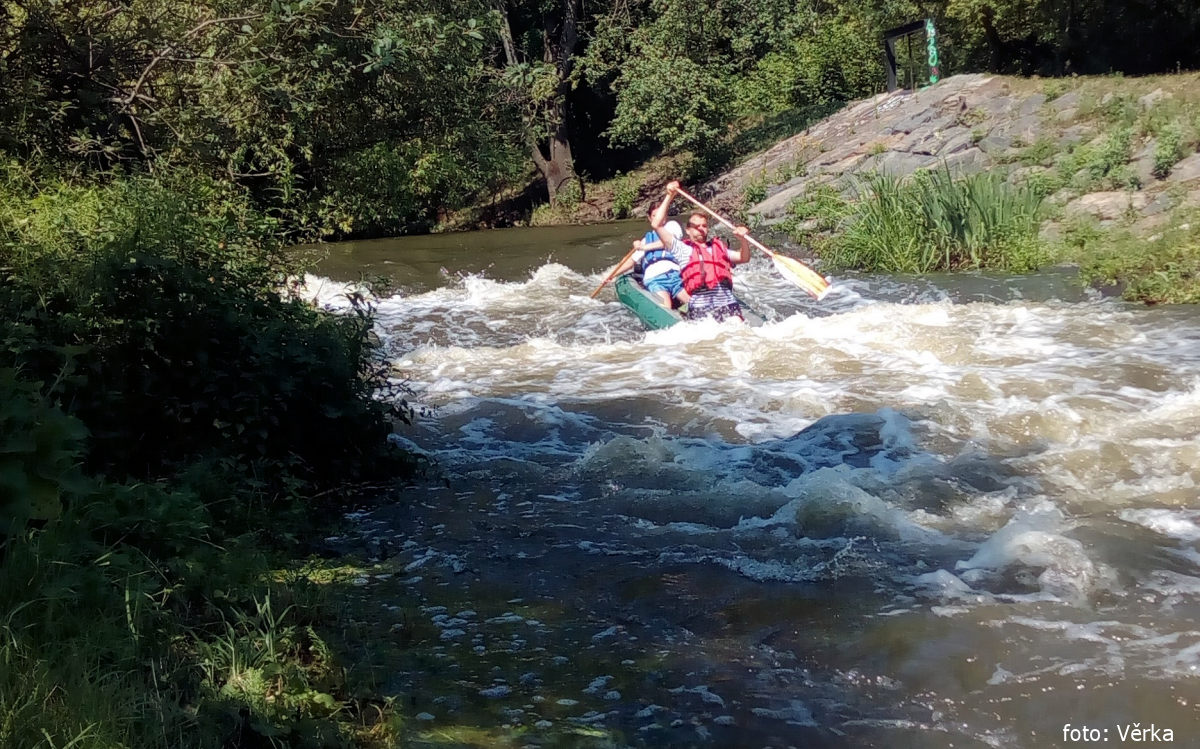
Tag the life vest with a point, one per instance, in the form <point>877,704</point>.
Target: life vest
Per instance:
<point>653,256</point>
<point>708,267</point>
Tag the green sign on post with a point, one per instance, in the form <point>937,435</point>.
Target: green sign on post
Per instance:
<point>931,41</point>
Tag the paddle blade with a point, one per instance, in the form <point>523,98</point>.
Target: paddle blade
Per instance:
<point>801,275</point>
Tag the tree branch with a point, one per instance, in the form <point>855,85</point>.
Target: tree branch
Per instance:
<point>167,50</point>
<point>506,37</point>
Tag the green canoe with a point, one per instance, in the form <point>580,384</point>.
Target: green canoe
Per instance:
<point>653,315</point>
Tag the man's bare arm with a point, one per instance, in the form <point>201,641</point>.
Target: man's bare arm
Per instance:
<point>743,245</point>
<point>658,217</point>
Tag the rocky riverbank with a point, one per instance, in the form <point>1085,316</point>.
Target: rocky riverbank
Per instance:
<point>1025,127</point>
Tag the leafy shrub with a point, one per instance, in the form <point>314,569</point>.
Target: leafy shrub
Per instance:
<point>1100,163</point>
<point>837,63</point>
<point>675,101</point>
<point>789,171</point>
<point>1163,271</point>
<point>1112,153</point>
<point>820,209</point>
<point>625,192</point>
<point>770,87</point>
<point>1041,151</point>
<point>188,350</point>
<point>1121,109</point>
<point>391,188</point>
<point>569,195</point>
<point>1167,112</point>
<point>197,366</point>
<point>1081,233</point>
<point>40,448</point>
<point>1055,88</point>
<point>164,414</point>
<point>1044,183</point>
<point>755,191</point>
<point>1168,150</point>
<point>545,215</point>
<point>54,235</point>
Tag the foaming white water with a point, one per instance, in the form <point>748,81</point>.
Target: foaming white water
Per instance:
<point>1034,549</point>
<point>325,293</point>
<point>1085,404</point>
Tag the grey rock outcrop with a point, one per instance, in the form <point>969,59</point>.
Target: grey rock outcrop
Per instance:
<point>969,123</point>
<point>894,133</point>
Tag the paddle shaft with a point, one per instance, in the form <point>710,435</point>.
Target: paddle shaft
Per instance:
<point>614,273</point>
<point>725,221</point>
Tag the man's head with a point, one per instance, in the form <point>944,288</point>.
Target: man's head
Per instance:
<point>697,227</point>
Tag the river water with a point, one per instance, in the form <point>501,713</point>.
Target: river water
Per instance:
<point>947,511</point>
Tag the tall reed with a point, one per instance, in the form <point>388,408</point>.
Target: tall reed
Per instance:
<point>933,221</point>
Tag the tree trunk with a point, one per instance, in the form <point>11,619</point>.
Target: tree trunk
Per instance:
<point>554,159</point>
<point>506,37</point>
<point>553,155</point>
<point>996,45</point>
<point>1067,44</point>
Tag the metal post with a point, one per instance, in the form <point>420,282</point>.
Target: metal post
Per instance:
<point>889,54</point>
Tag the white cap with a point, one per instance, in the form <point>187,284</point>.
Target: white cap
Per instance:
<point>674,229</point>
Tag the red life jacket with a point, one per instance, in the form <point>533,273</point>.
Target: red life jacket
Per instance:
<point>708,267</point>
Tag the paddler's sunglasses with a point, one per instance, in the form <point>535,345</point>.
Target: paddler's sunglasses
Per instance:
<point>701,225</point>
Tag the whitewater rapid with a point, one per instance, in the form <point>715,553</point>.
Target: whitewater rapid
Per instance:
<point>974,504</point>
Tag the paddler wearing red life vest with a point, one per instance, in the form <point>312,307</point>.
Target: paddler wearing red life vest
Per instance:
<point>706,264</point>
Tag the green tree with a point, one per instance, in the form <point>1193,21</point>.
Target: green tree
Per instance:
<point>539,58</point>
<point>307,104</point>
<point>682,72</point>
<point>1080,36</point>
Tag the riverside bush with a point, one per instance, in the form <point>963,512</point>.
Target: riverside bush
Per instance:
<point>1168,150</point>
<point>182,348</point>
<point>38,453</point>
<point>165,416</point>
<point>625,192</point>
<point>1100,164</point>
<point>820,210</point>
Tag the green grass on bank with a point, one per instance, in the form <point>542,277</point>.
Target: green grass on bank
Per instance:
<point>1160,269</point>
<point>171,431</point>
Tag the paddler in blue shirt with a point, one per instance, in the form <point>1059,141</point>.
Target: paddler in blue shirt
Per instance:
<point>656,265</point>
<point>706,264</point>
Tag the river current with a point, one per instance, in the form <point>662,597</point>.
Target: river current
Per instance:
<point>944,511</point>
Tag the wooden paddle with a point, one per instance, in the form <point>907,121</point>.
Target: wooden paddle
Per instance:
<point>790,268</point>
<point>614,272</point>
